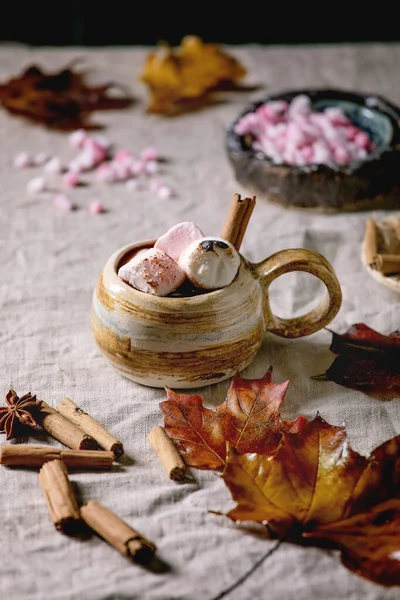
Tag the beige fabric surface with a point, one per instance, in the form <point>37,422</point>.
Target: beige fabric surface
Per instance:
<point>50,262</point>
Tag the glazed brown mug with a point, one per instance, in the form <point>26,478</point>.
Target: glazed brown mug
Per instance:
<point>189,342</point>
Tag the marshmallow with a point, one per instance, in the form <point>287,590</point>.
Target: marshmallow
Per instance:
<point>210,263</point>
<point>36,185</point>
<point>105,173</point>
<point>96,207</point>
<point>176,239</point>
<point>63,202</point>
<point>152,272</point>
<point>164,192</point>
<point>40,159</point>
<point>70,178</point>
<point>149,154</point>
<point>23,160</point>
<point>54,166</point>
<point>121,170</point>
<point>96,152</point>
<point>151,167</point>
<point>122,155</point>
<point>137,167</point>
<point>77,138</point>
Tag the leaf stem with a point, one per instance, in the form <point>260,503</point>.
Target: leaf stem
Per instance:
<point>246,575</point>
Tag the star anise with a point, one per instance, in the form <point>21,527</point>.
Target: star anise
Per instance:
<point>17,409</point>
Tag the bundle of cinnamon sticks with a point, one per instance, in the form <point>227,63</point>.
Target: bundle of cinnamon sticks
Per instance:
<point>382,255</point>
<point>73,427</point>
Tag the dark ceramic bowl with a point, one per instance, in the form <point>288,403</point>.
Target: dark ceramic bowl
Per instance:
<point>360,185</point>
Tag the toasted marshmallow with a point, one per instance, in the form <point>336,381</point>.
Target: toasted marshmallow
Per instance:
<point>152,271</point>
<point>210,263</point>
<point>176,239</point>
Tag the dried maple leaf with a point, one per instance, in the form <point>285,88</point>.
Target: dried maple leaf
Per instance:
<point>248,419</point>
<point>17,410</point>
<point>314,487</point>
<point>367,360</point>
<point>179,78</point>
<point>60,100</point>
<point>370,542</point>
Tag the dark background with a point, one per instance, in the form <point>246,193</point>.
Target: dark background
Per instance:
<point>147,22</point>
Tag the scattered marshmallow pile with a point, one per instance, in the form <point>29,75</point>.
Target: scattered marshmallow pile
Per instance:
<point>295,134</point>
<point>182,253</point>
<point>95,154</point>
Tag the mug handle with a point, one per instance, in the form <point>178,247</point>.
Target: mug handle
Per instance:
<point>309,261</point>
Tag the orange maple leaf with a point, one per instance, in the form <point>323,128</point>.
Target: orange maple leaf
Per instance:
<point>313,487</point>
<point>181,78</point>
<point>249,420</point>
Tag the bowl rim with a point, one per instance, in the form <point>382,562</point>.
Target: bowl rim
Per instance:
<point>236,144</point>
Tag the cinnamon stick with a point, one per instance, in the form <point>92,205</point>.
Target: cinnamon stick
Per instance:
<point>90,426</point>
<point>370,241</point>
<point>169,456</point>
<point>237,219</point>
<point>59,496</point>
<point>387,264</point>
<point>63,430</point>
<point>117,533</point>
<point>36,456</point>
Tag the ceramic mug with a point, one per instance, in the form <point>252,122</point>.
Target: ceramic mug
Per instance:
<point>189,342</point>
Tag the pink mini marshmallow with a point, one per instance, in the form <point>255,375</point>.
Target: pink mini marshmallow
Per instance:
<point>95,150</point>
<point>77,138</point>
<point>279,106</point>
<point>268,114</point>
<point>341,154</point>
<point>122,155</point>
<point>137,167</point>
<point>299,106</point>
<point>351,131</point>
<point>83,162</point>
<point>71,178</point>
<point>105,173</point>
<point>307,153</point>
<point>361,140</point>
<point>23,160</point>
<point>149,154</point>
<point>53,166</point>
<point>336,116</point>
<point>96,207</point>
<point>249,123</point>
<point>274,131</point>
<point>296,135</point>
<point>152,272</point>
<point>121,170</point>
<point>164,192</point>
<point>177,238</point>
<point>40,159</point>
<point>36,185</point>
<point>62,202</point>
<point>322,153</point>
<point>151,167</point>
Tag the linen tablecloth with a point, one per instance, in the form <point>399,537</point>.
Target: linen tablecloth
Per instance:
<point>50,261</point>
